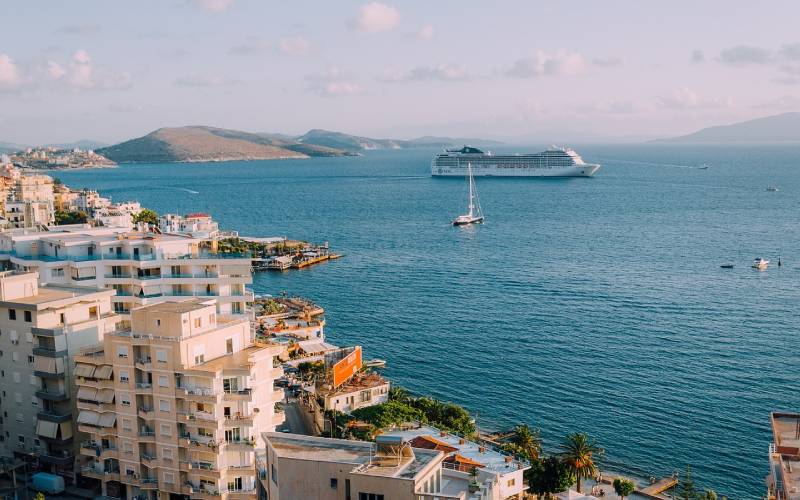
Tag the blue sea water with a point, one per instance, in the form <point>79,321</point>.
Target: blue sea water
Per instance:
<point>592,305</point>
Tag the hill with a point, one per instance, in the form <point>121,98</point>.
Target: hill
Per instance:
<point>83,144</point>
<point>777,128</point>
<point>9,147</point>
<point>199,143</point>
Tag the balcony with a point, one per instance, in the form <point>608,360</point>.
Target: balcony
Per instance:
<point>97,384</point>
<point>54,416</point>
<point>56,459</point>
<point>240,444</point>
<point>148,483</point>
<point>52,394</point>
<point>202,416</point>
<point>238,395</point>
<point>101,475</point>
<point>238,420</point>
<point>148,460</point>
<point>49,352</point>
<point>147,436</point>
<point>145,364</point>
<point>204,469</point>
<point>118,275</point>
<point>144,388</point>
<point>47,332</point>
<point>146,412</point>
<point>242,494</point>
<point>198,394</point>
<point>200,493</point>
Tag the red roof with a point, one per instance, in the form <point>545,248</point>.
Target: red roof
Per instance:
<point>198,215</point>
<point>431,443</point>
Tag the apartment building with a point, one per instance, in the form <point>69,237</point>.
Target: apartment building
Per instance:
<point>30,202</point>
<point>292,466</point>
<point>142,267</point>
<point>187,396</point>
<point>41,327</point>
<point>783,481</point>
<point>199,225</point>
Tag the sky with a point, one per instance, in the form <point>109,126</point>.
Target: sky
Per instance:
<point>505,69</point>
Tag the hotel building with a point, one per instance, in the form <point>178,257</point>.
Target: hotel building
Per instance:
<point>187,396</point>
<point>142,267</point>
<point>41,328</point>
<point>783,481</point>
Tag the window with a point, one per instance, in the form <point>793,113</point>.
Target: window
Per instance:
<point>235,485</point>
<point>123,376</point>
<point>169,478</point>
<point>125,399</point>
<point>16,377</point>
<point>229,346</point>
<point>28,317</point>
<point>158,322</point>
<point>58,272</point>
<point>334,482</point>
<point>15,356</point>
<point>20,418</point>
<point>230,385</point>
<point>163,405</point>
<point>21,439</point>
<point>12,314</point>
<point>122,351</point>
<point>29,337</point>
<point>369,496</point>
<point>128,446</point>
<point>34,401</point>
<point>274,474</point>
<point>166,430</point>
<point>163,381</point>
<point>199,354</point>
<point>32,380</point>
<point>161,356</point>
<point>166,454</point>
<point>30,360</point>
<point>62,319</point>
<point>198,322</point>
<point>511,482</point>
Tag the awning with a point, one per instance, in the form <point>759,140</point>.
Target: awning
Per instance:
<point>88,417</point>
<point>103,372</point>
<point>105,395</point>
<point>87,393</point>
<point>44,364</point>
<point>66,430</point>
<point>84,370</point>
<point>46,429</point>
<point>108,420</point>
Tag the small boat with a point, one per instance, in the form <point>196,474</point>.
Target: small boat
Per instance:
<point>760,263</point>
<point>375,363</point>
<point>704,166</point>
<point>474,214</point>
<point>727,266</point>
<point>772,189</point>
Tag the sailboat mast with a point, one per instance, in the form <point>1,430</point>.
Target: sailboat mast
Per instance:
<point>471,189</point>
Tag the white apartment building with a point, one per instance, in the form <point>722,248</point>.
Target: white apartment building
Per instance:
<point>199,225</point>
<point>174,405</point>
<point>143,268</point>
<point>41,327</point>
<point>117,214</point>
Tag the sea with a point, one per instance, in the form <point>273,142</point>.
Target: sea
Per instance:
<point>591,305</point>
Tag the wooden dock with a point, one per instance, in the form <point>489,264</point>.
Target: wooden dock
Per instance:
<point>658,487</point>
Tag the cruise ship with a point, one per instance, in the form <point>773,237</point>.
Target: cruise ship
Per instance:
<point>554,162</point>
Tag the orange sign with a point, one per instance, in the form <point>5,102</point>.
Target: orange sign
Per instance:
<point>347,367</point>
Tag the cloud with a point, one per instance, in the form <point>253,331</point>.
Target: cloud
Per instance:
<point>425,32</point>
<point>441,72</point>
<point>621,107</point>
<point>206,81</point>
<point>375,17</point>
<point>294,46</point>
<point>252,45</point>
<point>212,5</point>
<point>559,63</point>
<point>790,52</point>
<point>333,83</point>
<point>784,103</point>
<point>55,70</point>
<point>745,55</point>
<point>685,98</point>
<point>697,57</point>
<point>607,62</point>
<point>80,29</point>
<point>10,77</point>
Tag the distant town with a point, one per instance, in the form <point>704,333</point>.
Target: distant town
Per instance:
<point>52,158</point>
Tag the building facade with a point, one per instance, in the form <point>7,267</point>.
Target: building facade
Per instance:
<point>142,267</point>
<point>41,328</point>
<point>187,396</point>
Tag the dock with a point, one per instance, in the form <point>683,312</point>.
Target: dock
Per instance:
<point>293,261</point>
<point>659,487</point>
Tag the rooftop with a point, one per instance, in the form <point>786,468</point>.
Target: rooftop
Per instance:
<point>56,295</point>
<point>237,360</point>
<point>359,454</point>
<point>178,307</point>
<point>785,458</point>
<point>360,382</point>
<point>491,460</point>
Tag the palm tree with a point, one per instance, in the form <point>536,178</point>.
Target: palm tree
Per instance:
<point>529,441</point>
<point>397,393</point>
<point>577,451</point>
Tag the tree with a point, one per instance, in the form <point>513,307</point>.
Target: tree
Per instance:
<point>529,441</point>
<point>549,475</point>
<point>147,216</point>
<point>578,451</point>
<point>709,495</point>
<point>71,217</point>
<point>623,487</point>
<point>401,394</point>
<point>687,489</point>
<point>39,496</point>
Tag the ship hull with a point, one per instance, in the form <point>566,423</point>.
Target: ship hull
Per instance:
<point>585,170</point>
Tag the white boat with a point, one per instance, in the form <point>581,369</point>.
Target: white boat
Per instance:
<point>760,263</point>
<point>772,189</point>
<point>554,162</point>
<point>375,363</point>
<point>474,214</point>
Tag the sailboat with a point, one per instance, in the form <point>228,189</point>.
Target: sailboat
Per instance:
<point>475,214</point>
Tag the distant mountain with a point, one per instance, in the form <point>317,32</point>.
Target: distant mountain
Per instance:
<point>83,144</point>
<point>10,147</point>
<point>777,128</point>
<point>200,143</point>
<point>355,142</point>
